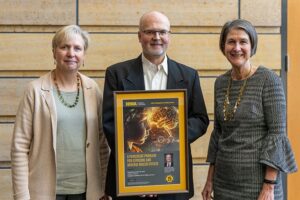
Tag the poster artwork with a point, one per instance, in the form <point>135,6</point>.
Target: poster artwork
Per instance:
<point>151,141</point>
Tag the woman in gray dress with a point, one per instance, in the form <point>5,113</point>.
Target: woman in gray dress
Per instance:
<point>248,149</point>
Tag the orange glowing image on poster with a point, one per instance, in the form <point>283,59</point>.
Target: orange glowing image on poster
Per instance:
<point>150,129</point>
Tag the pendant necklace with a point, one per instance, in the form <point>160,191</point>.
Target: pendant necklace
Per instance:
<point>227,111</point>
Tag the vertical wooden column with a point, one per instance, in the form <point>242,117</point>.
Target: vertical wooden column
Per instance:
<point>293,95</point>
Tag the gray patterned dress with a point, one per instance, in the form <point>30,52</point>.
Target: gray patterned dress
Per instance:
<point>256,136</point>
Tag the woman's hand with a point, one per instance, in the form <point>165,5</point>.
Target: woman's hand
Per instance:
<point>207,190</point>
<point>267,192</point>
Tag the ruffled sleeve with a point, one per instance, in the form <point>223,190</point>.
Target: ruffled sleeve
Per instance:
<point>276,150</point>
<point>277,153</point>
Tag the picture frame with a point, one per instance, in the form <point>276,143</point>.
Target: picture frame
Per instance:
<point>151,142</point>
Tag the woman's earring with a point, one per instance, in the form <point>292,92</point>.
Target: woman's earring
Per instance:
<point>83,64</point>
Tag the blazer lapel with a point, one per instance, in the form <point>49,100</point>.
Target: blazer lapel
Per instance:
<point>89,104</point>
<point>175,78</point>
<point>135,78</point>
<point>46,91</point>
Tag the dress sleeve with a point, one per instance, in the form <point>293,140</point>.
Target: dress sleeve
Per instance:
<point>213,146</point>
<point>276,150</point>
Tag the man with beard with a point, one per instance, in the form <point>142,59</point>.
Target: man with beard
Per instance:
<point>153,70</point>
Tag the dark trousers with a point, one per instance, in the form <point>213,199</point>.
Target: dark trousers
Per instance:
<point>70,196</point>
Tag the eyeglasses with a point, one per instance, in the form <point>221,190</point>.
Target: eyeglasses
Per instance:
<point>161,33</point>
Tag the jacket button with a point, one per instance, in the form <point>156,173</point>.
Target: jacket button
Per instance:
<point>87,145</point>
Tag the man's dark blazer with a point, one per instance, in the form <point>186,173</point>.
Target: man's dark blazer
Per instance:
<point>171,164</point>
<point>128,75</point>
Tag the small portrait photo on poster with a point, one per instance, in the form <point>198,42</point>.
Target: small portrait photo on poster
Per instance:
<point>169,164</point>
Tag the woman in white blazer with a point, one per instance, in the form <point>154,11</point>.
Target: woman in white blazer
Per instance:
<point>58,147</point>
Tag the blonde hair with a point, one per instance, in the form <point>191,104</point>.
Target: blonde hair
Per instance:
<point>67,32</point>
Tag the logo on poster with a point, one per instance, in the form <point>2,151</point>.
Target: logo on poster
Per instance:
<point>169,178</point>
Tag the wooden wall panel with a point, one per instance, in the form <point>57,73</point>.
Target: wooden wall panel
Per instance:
<point>5,141</point>
<point>199,51</point>
<point>262,12</point>
<point>200,146</point>
<point>180,13</point>
<point>200,174</point>
<point>107,49</point>
<point>268,51</point>
<point>207,86</point>
<point>12,90</point>
<point>11,93</point>
<point>43,12</point>
<point>26,52</point>
<point>5,184</point>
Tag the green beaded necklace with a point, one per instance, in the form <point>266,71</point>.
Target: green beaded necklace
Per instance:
<point>61,98</point>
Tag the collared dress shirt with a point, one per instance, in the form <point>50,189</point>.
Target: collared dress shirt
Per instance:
<point>155,76</point>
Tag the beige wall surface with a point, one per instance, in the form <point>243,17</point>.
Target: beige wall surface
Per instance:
<point>27,28</point>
